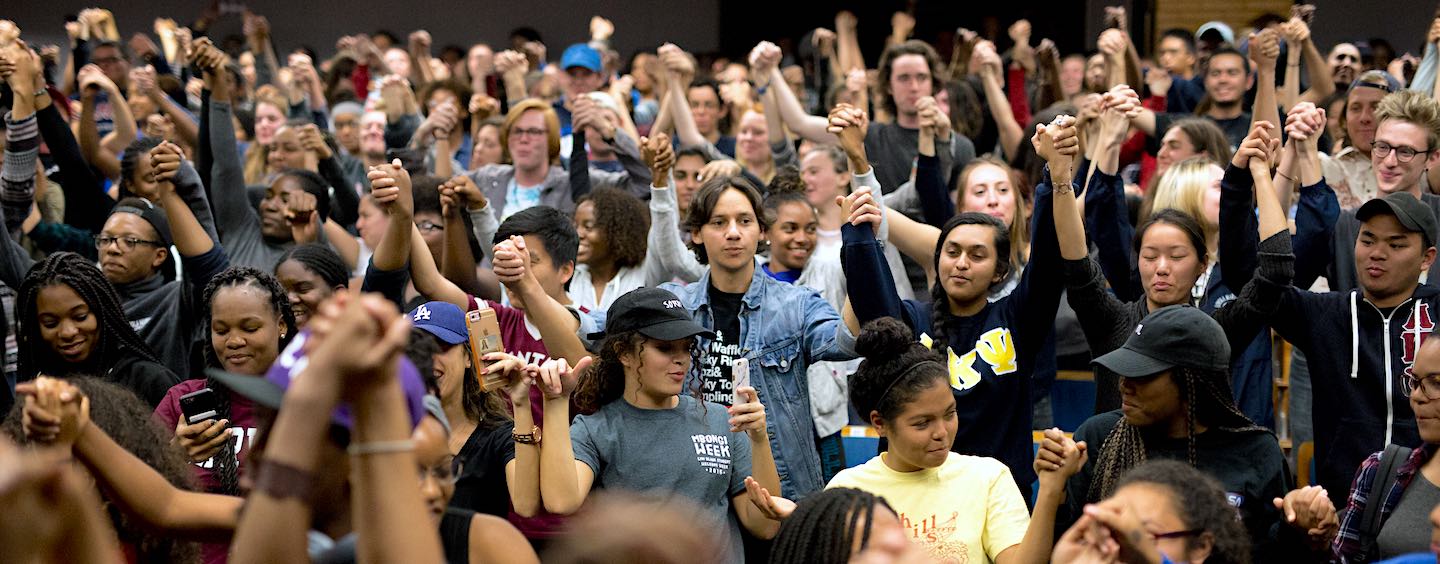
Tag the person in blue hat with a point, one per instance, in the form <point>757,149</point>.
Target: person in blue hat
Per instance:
<point>584,73</point>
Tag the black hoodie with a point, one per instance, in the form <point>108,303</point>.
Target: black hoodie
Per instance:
<point>1359,357</point>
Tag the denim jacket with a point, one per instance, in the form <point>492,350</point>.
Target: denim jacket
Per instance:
<point>783,330</point>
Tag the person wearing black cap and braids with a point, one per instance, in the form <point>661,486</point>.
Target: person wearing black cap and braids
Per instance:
<point>1176,404</point>
<point>134,249</point>
<point>643,433</point>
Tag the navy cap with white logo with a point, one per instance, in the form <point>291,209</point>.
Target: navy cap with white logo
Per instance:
<point>655,313</point>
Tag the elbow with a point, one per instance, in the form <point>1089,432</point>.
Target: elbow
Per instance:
<point>560,507</point>
<point>526,508</point>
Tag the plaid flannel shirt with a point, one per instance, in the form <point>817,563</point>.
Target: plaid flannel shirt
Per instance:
<point>1346,547</point>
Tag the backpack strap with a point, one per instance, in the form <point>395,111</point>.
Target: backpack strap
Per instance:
<point>1384,481</point>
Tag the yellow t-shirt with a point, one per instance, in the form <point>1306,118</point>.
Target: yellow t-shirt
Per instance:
<point>966,511</point>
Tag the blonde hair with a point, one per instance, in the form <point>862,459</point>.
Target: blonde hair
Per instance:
<point>1019,226</point>
<point>1414,107</point>
<point>552,127</point>
<point>257,155</point>
<point>1182,188</point>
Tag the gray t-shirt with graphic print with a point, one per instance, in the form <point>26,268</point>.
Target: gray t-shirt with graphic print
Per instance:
<point>687,451</point>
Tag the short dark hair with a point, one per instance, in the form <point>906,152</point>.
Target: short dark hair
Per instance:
<point>554,229</point>
<point>1228,50</point>
<point>1183,35</point>
<point>1179,220</point>
<point>527,33</point>
<point>460,89</point>
<point>708,196</point>
<point>693,152</point>
<point>888,378</point>
<point>624,220</point>
<point>887,65</point>
<point>425,193</point>
<point>705,83</point>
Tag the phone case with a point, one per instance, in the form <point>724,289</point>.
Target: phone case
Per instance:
<point>199,405</point>
<point>740,374</point>
<point>484,329</point>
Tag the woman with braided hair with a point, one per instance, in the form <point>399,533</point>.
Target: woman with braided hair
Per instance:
<point>1176,404</point>
<point>959,508</point>
<point>249,320</point>
<point>70,322</point>
<point>311,274</point>
<point>837,525</point>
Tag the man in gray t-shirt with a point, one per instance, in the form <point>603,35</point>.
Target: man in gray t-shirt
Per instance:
<point>703,460</point>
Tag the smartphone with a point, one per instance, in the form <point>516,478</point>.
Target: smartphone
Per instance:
<point>200,405</point>
<point>484,329</point>
<point>740,374</point>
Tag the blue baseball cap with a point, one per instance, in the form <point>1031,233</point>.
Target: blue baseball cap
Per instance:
<point>443,320</point>
<point>581,55</point>
<point>269,391</point>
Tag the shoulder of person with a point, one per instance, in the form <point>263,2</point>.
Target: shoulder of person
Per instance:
<point>1097,427</point>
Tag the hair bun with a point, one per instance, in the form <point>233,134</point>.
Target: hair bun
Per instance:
<point>884,338</point>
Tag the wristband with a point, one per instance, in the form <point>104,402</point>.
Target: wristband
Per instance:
<point>381,447</point>
<point>280,481</point>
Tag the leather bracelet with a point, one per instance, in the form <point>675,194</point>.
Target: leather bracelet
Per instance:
<point>281,481</point>
<point>381,447</point>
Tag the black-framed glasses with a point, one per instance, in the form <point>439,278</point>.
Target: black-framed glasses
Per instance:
<point>1177,534</point>
<point>126,243</point>
<point>1403,154</point>
<point>429,226</point>
<point>1428,386</point>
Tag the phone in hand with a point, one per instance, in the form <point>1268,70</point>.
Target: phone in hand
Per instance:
<point>484,329</point>
<point>200,405</point>
<point>740,374</point>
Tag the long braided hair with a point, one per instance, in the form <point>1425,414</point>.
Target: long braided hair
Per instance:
<point>1207,399</point>
<point>824,527</point>
<point>226,466</point>
<point>941,319</point>
<point>115,338</point>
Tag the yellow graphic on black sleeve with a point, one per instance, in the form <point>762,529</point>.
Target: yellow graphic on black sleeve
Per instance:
<point>996,348</point>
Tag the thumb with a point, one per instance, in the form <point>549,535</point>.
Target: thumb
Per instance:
<point>396,163</point>
<point>583,364</point>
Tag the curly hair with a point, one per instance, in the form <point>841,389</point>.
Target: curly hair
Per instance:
<point>825,527</point>
<point>226,465</point>
<point>604,381</point>
<point>941,319</point>
<point>702,206</point>
<point>1207,400</point>
<point>896,369</point>
<point>127,419</point>
<point>116,338</point>
<point>1201,503</point>
<point>623,221</point>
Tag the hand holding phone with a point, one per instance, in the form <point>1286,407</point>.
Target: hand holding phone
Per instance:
<point>484,329</point>
<point>740,376</point>
<point>200,405</point>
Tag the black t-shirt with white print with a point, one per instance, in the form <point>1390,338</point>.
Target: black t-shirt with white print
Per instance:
<point>721,353</point>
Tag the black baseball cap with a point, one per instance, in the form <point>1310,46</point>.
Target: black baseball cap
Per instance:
<point>1178,336</point>
<point>653,312</point>
<point>1412,213</point>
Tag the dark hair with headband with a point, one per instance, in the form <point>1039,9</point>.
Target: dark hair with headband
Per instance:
<point>896,368</point>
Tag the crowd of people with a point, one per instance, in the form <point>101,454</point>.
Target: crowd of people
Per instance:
<point>614,310</point>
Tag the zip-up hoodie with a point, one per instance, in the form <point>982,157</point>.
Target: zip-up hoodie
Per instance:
<point>1359,359</point>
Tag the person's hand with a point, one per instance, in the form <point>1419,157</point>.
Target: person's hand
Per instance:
<point>159,126</point>
<point>1135,544</point>
<point>1304,124</point>
<point>856,82</point>
<point>556,378</point>
<point>256,27</point>
<point>986,61</point>
<point>1433,36</point>
<point>390,187</point>
<point>208,57</point>
<point>1158,80</point>
<point>75,31</point>
<point>902,24</point>
<point>1058,143</point>
<point>601,29</point>
<point>736,94</point>
<point>442,120</point>
<point>1086,542</point>
<point>1023,53</point>
<point>9,32</point>
<point>860,207</point>
<point>677,64</point>
<point>50,54</point>
<point>720,168</point>
<point>202,441</point>
<point>765,57</point>
<point>144,81</point>
<point>933,119</point>
<point>462,191</point>
<point>850,124</point>
<point>143,47</point>
<point>194,87</point>
<point>534,51</point>
<point>420,42</point>
<point>1047,53</point>
<point>511,62</point>
<point>24,68</point>
<point>359,339</point>
<point>304,220</point>
<point>582,112</point>
<point>772,507</point>
<point>846,20</point>
<point>511,260</point>
<point>482,106</point>
<point>518,380</point>
<point>165,161</point>
<point>50,508</point>
<point>1309,509</point>
<point>303,69</point>
<point>823,40</point>
<point>1121,104</point>
<point>313,141</point>
<point>1112,43</point>
<point>1258,149</point>
<point>658,154</point>
<point>1264,49</point>
<point>1115,18</point>
<point>92,80</point>
<point>1396,68</point>
<point>1296,32</point>
<point>748,416</point>
<point>1059,458</point>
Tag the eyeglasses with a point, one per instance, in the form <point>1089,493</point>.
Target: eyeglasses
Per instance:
<point>1428,386</point>
<point>1381,149</point>
<point>682,175</point>
<point>1177,534</point>
<point>430,226</point>
<point>126,243</point>
<point>523,132</point>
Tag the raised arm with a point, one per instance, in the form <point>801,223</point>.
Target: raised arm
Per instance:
<point>460,195</point>
<point>789,109</point>
<point>124,119</point>
<point>565,481</point>
<point>992,77</point>
<point>680,71</point>
<point>190,236</point>
<point>512,66</point>
<point>234,216</point>
<point>556,323</point>
<point>1264,50</point>
<point>91,147</point>
<point>22,150</point>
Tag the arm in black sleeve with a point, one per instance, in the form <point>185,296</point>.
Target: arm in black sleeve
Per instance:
<point>1315,215</point>
<point>1037,296</point>
<point>1239,227</point>
<point>867,275</point>
<point>388,283</point>
<point>1257,303</point>
<point>579,166</point>
<point>399,132</point>
<point>204,156</point>
<point>935,202</point>
<point>345,202</point>
<point>1107,223</point>
<point>86,204</point>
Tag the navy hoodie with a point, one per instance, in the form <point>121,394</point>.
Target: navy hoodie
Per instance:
<point>991,354</point>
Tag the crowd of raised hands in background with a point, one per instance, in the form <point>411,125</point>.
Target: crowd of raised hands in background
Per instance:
<point>613,310</point>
